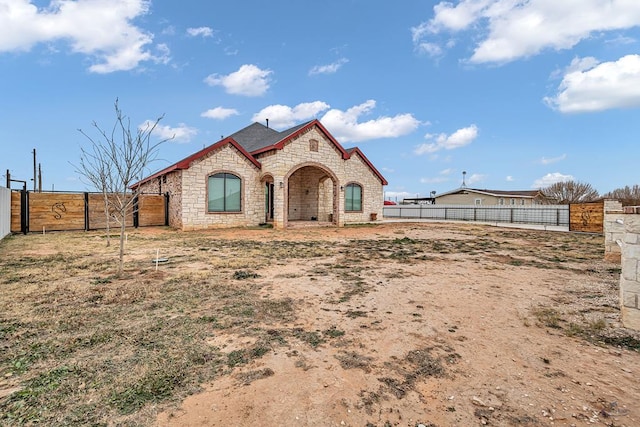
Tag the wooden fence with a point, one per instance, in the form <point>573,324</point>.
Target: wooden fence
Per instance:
<point>587,217</point>
<point>58,211</point>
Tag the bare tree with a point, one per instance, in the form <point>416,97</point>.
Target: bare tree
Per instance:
<point>628,196</point>
<point>116,161</point>
<point>566,192</point>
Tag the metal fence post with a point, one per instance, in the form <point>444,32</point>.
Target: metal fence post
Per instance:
<point>86,211</point>
<point>24,210</point>
<point>136,212</point>
<point>166,208</point>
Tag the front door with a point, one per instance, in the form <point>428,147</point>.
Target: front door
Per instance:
<point>268,201</point>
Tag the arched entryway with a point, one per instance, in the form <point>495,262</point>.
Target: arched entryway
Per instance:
<point>311,195</point>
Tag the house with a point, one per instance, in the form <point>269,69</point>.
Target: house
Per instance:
<point>473,196</point>
<point>259,175</point>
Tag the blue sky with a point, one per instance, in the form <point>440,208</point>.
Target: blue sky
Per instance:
<point>517,93</point>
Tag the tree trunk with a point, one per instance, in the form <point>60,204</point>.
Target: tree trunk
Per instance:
<point>123,226</point>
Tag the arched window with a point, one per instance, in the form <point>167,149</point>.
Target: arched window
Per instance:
<point>353,198</point>
<point>223,193</point>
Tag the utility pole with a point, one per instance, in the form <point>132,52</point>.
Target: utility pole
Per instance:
<point>39,178</point>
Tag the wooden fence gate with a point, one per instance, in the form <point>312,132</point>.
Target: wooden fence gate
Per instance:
<point>80,211</point>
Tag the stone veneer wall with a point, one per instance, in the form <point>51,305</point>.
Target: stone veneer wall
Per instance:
<point>327,172</point>
<point>372,191</point>
<point>194,191</point>
<point>613,230</point>
<point>325,200</point>
<point>304,196</point>
<point>630,276</point>
<point>284,163</point>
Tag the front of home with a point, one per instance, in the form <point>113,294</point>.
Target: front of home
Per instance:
<point>259,175</point>
<point>474,196</point>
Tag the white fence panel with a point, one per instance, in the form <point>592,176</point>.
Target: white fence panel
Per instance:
<point>538,214</point>
<point>5,212</point>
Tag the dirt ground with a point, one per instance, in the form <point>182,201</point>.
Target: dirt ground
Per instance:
<point>404,324</point>
<point>454,339</point>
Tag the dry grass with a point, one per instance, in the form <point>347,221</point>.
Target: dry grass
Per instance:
<point>81,347</point>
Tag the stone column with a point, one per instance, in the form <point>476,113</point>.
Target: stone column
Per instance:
<point>279,205</point>
<point>613,230</point>
<point>630,277</point>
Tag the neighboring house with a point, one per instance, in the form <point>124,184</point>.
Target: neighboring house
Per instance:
<point>259,175</point>
<point>473,196</point>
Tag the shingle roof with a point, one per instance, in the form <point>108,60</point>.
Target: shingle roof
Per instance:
<point>520,193</point>
<point>257,136</point>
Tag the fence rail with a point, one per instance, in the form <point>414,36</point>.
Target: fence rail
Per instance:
<point>540,215</point>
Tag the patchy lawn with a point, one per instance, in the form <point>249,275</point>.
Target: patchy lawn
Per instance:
<point>391,325</point>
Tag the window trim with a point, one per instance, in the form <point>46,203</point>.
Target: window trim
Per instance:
<point>226,172</point>
<point>354,184</point>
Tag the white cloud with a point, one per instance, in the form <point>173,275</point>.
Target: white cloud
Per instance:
<point>220,113</point>
<point>475,178</point>
<point>431,49</point>
<point>283,116</point>
<point>434,180</point>
<point>588,86</point>
<point>459,138</point>
<point>101,29</point>
<point>443,176</point>
<point>230,52</point>
<point>180,133</point>
<point>345,127</point>
<point>200,31</point>
<point>514,29</point>
<point>550,160</point>
<point>249,80</point>
<point>551,178</point>
<point>329,68</point>
<point>509,178</point>
<point>388,170</point>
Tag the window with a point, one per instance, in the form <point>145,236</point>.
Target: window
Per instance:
<point>313,145</point>
<point>522,202</point>
<point>478,202</point>
<point>224,193</point>
<point>512,202</point>
<point>353,198</point>
<point>501,201</point>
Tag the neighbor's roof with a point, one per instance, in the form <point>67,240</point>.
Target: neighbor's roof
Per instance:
<point>529,194</point>
<point>257,138</point>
